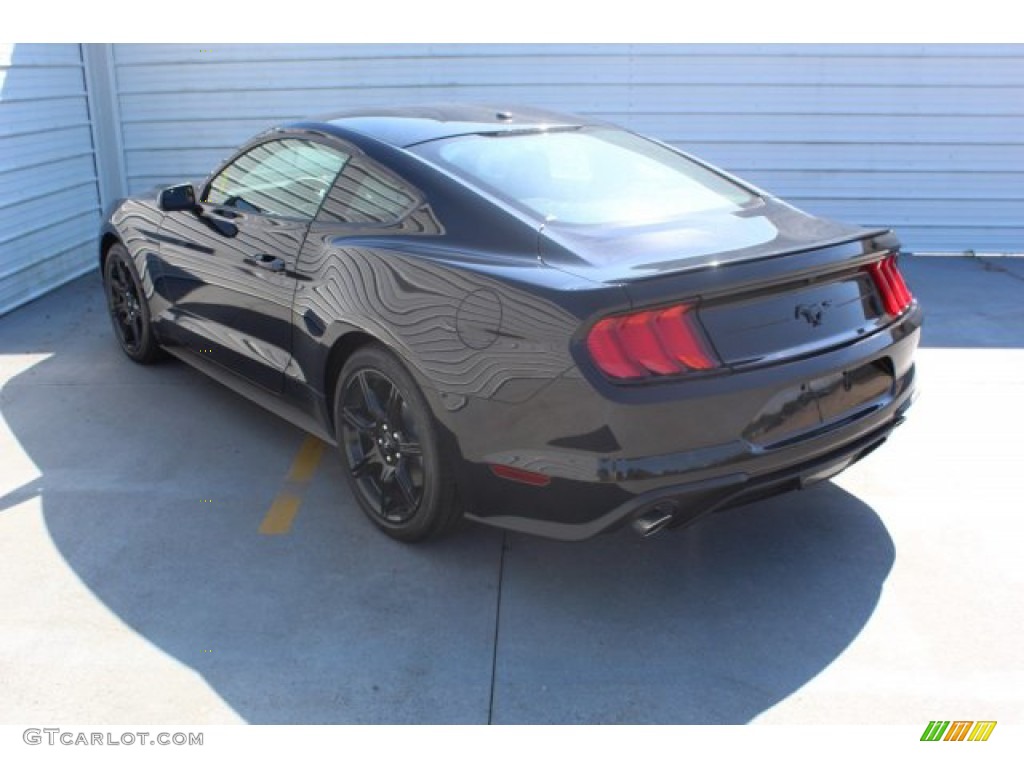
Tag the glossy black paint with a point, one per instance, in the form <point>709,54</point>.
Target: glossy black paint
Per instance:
<point>179,198</point>
<point>228,278</point>
<point>489,310</point>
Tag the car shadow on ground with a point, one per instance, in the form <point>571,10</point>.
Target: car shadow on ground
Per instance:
<point>989,288</point>
<point>153,483</point>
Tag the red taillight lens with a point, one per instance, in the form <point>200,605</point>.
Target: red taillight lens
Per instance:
<point>684,339</point>
<point>605,347</point>
<point>640,341</point>
<point>659,342</point>
<point>896,297</point>
<point>896,278</point>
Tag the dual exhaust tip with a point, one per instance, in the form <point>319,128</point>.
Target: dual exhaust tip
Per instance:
<point>656,519</point>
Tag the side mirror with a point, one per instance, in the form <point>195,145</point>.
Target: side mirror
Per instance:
<point>179,198</point>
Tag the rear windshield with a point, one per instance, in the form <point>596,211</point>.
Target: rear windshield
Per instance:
<point>592,176</point>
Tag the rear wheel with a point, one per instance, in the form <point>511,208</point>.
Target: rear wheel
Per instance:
<point>394,461</point>
<point>129,312</point>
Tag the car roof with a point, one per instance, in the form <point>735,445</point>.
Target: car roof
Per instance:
<point>409,125</point>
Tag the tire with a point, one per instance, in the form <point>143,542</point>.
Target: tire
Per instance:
<point>393,459</point>
<point>129,312</point>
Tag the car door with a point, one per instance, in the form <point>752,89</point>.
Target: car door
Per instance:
<point>227,269</point>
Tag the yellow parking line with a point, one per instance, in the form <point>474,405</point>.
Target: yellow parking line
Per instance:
<point>279,517</point>
<point>306,462</point>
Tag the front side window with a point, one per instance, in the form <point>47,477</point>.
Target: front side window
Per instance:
<point>597,176</point>
<point>286,177</point>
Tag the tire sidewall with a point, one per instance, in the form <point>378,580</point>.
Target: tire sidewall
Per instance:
<point>429,514</point>
<point>147,347</point>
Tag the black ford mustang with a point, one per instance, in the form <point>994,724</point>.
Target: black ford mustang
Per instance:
<point>539,321</point>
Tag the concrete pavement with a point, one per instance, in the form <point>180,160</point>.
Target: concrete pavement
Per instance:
<point>137,587</point>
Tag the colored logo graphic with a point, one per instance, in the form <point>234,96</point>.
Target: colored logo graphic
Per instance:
<point>958,730</point>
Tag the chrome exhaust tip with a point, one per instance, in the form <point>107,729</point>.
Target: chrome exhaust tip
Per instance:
<point>656,520</point>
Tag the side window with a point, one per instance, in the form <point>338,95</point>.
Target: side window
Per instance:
<point>286,177</point>
<point>365,193</point>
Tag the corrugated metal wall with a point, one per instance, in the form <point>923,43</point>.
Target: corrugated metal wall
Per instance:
<point>928,139</point>
<point>49,202</point>
<point>924,138</point>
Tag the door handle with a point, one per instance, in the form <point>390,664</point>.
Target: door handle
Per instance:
<point>268,262</point>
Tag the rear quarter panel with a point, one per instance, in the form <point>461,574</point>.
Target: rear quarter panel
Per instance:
<point>470,328</point>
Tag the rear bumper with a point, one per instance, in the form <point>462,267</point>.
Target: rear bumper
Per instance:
<point>688,452</point>
<point>680,504</point>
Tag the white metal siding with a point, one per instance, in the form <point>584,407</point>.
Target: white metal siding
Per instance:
<point>49,204</point>
<point>926,138</point>
<point>923,138</point>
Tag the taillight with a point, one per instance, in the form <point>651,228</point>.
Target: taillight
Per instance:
<point>896,297</point>
<point>658,342</point>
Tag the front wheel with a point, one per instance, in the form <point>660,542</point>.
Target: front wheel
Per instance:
<point>129,312</point>
<point>395,463</point>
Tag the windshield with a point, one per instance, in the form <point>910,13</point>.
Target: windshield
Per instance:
<point>597,176</point>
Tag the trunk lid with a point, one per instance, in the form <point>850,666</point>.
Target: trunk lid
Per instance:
<point>791,318</point>
<point>709,239</point>
<point>768,283</point>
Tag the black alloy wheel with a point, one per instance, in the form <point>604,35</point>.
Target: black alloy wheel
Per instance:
<point>128,312</point>
<point>383,446</point>
<point>389,445</point>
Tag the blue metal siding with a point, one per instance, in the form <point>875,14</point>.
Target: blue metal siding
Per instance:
<point>926,138</point>
<point>49,204</point>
